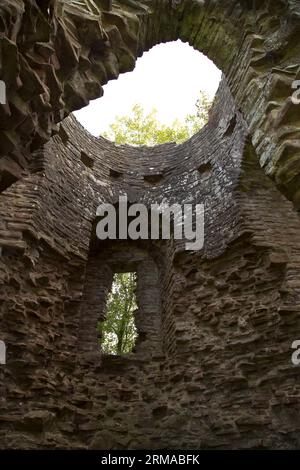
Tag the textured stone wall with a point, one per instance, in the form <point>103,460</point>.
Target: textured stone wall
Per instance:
<point>106,259</point>
<point>219,373</point>
<point>56,55</point>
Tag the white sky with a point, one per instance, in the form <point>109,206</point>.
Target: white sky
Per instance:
<point>169,78</point>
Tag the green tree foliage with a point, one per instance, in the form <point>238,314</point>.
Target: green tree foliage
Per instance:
<point>196,121</point>
<point>141,128</point>
<point>118,331</point>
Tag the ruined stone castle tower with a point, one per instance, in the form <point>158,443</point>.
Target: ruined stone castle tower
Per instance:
<point>212,367</point>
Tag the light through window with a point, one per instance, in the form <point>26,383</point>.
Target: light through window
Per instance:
<point>118,332</point>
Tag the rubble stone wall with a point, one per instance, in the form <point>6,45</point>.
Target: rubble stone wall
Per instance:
<point>55,56</point>
<point>214,369</point>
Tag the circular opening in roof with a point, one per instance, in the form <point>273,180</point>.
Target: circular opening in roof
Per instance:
<point>165,99</point>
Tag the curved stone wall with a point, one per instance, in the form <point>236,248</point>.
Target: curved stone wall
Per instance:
<point>220,374</point>
<point>55,57</point>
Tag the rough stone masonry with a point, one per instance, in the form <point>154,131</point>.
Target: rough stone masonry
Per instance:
<point>212,366</point>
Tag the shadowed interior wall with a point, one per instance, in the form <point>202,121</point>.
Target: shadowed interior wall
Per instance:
<point>104,260</point>
<point>223,376</point>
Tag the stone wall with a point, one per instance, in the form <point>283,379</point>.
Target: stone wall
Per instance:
<point>215,369</point>
<point>56,55</point>
<point>105,260</point>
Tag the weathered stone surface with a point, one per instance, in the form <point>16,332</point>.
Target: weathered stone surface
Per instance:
<point>56,55</point>
<point>212,367</point>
